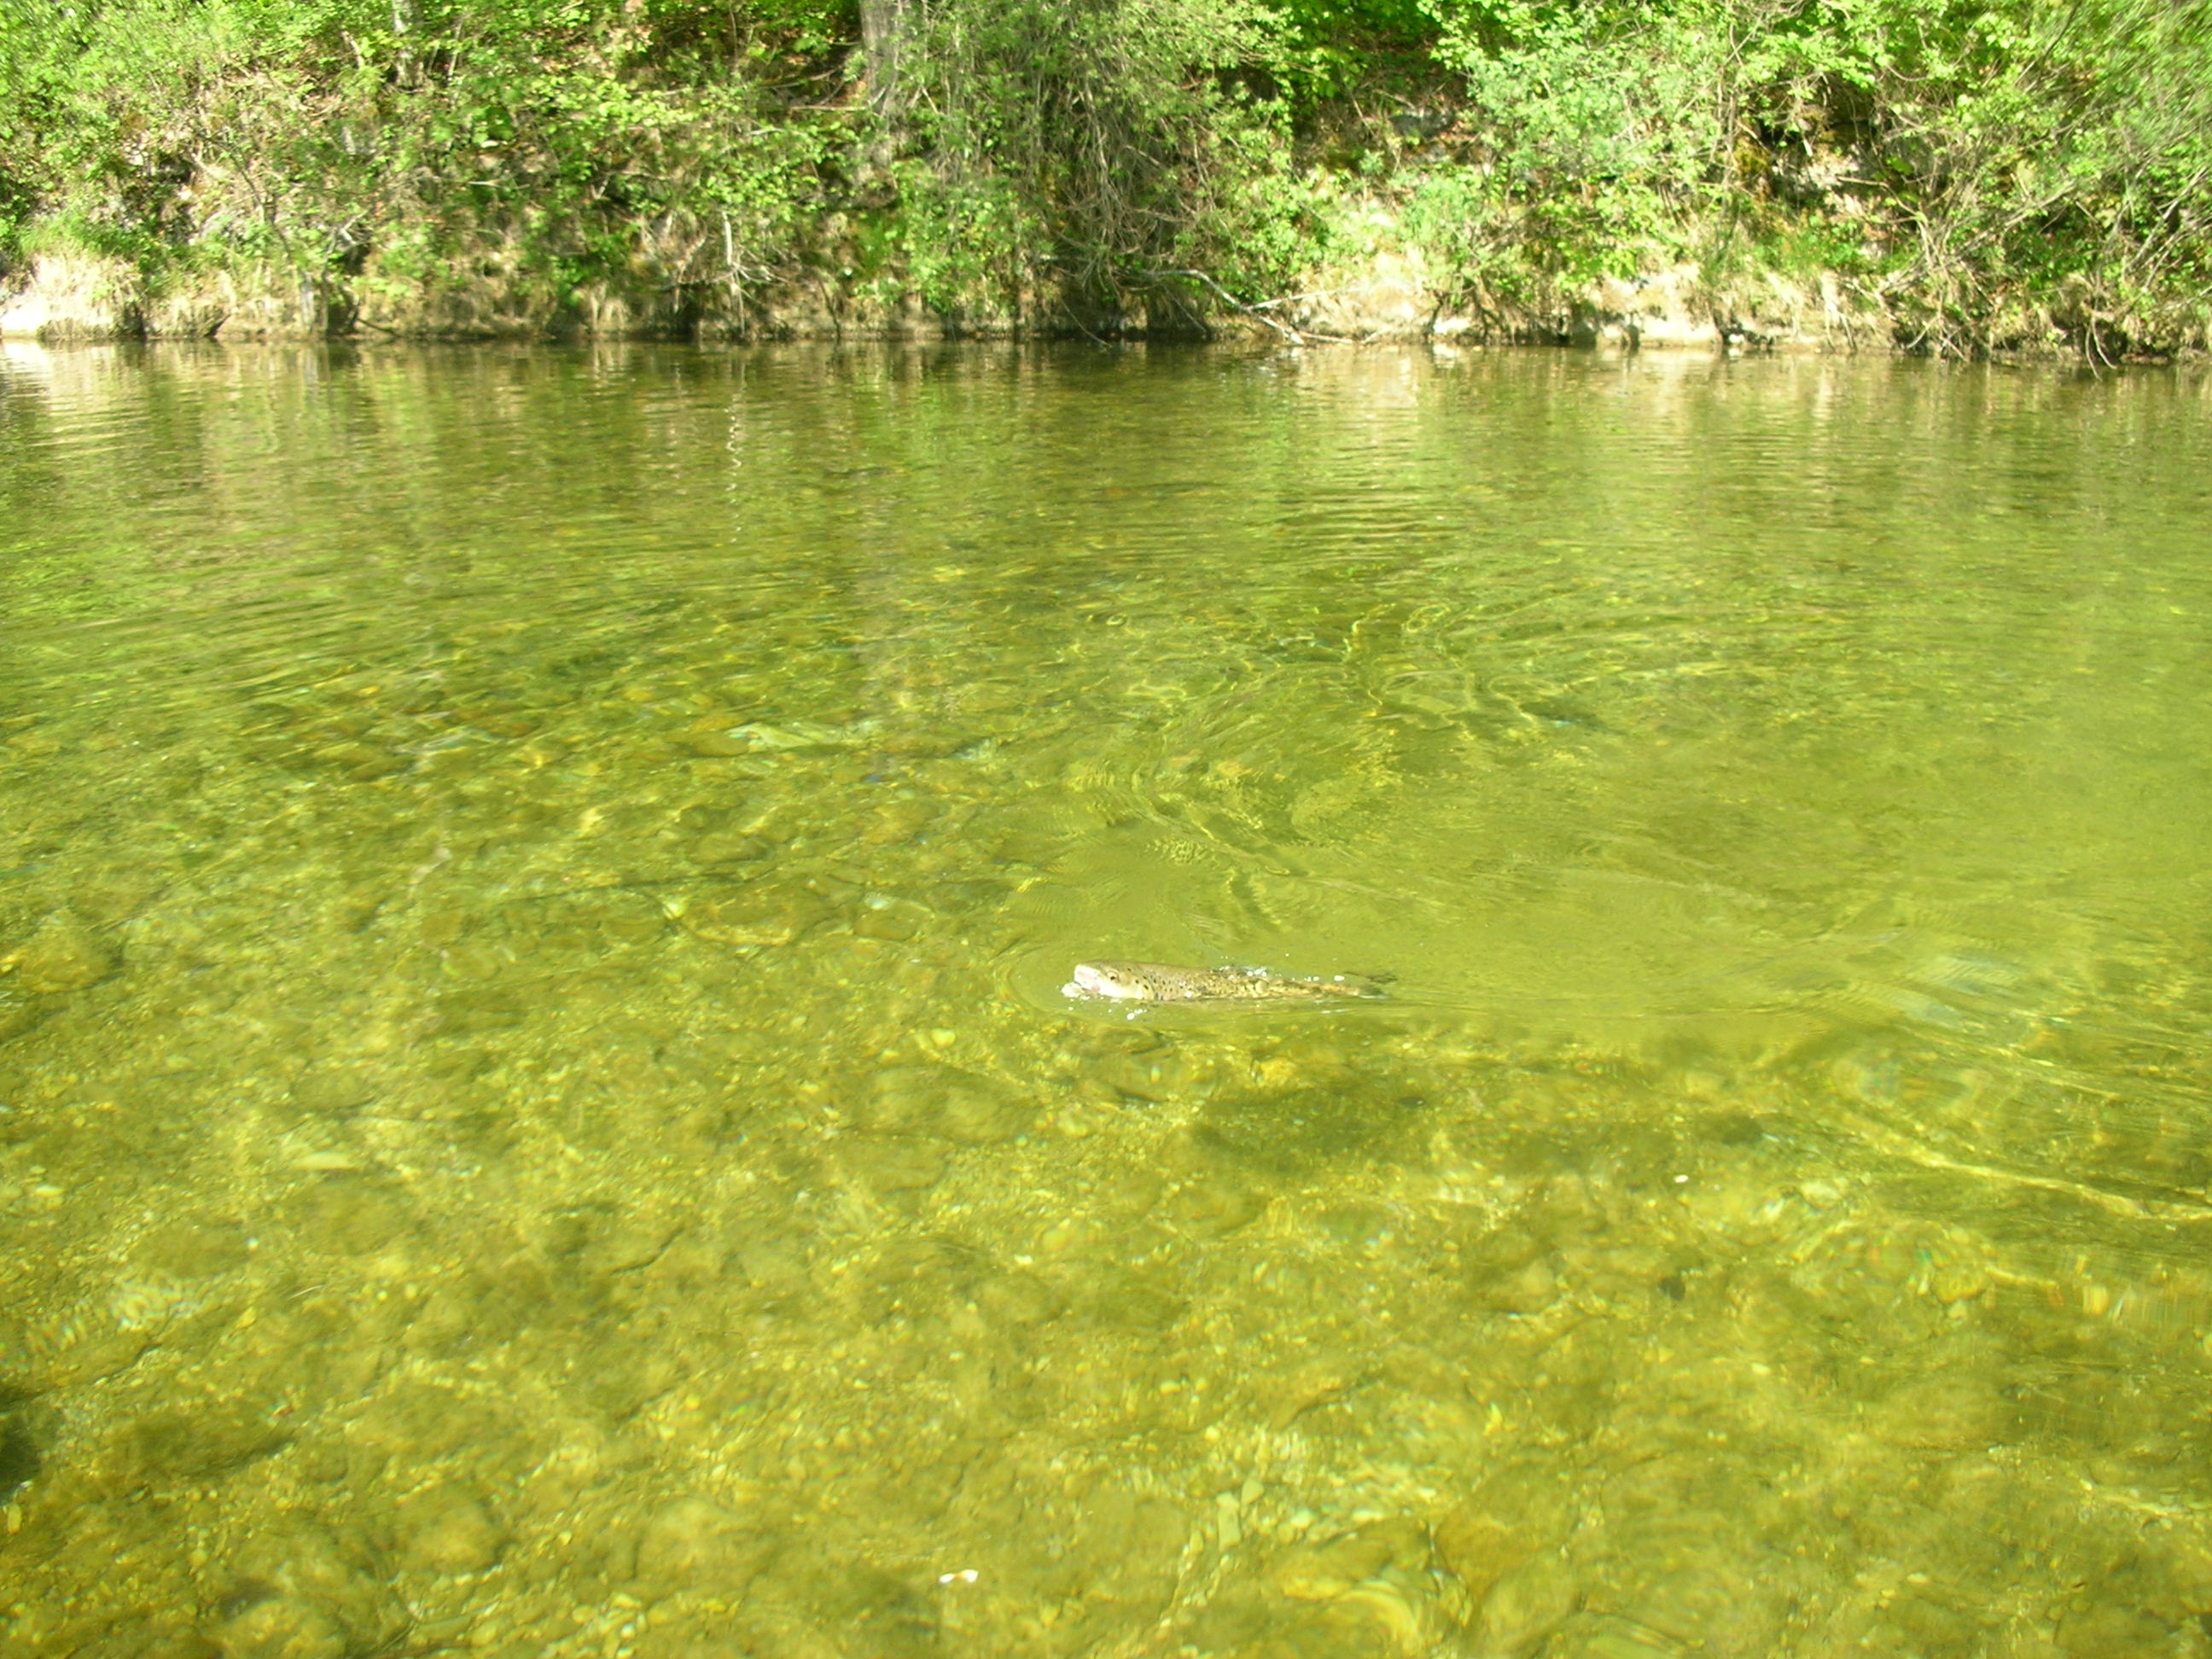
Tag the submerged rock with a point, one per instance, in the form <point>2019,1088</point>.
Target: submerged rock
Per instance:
<point>174,1446</point>
<point>193,1246</point>
<point>696,1545</point>
<point>944,1101</point>
<point>887,1165</point>
<point>64,954</point>
<point>454,1536</point>
<point>717,848</point>
<point>332,1089</point>
<point>278,1626</point>
<point>302,1592</point>
<point>18,1015</point>
<point>758,915</point>
<point>1479,1550</point>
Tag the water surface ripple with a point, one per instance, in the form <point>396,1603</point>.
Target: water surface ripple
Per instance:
<point>537,1116</point>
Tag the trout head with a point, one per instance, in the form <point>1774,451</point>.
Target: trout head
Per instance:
<point>1109,978</point>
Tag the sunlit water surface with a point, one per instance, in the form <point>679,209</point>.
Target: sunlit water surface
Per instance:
<point>537,1116</point>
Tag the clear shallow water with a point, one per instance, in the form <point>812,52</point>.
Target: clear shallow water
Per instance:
<point>540,1118</point>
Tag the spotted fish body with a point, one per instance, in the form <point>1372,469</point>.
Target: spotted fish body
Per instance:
<point>1159,981</point>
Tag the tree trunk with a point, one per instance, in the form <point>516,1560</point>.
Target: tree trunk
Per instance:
<point>883,29</point>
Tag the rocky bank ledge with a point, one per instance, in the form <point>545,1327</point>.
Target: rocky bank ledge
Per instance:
<point>1388,297</point>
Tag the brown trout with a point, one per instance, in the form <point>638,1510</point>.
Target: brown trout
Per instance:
<point>1158,982</point>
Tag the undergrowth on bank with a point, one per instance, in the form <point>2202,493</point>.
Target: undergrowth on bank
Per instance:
<point>1977,174</point>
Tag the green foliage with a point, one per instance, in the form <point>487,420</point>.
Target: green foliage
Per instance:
<point>1983,168</point>
<point>1983,171</point>
<point>660,146</point>
<point>1087,151</point>
<point>1317,50</point>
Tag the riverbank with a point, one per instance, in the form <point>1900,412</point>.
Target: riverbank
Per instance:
<point>1999,180</point>
<point>59,299</point>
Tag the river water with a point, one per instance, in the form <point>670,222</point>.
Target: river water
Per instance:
<point>537,1114</point>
